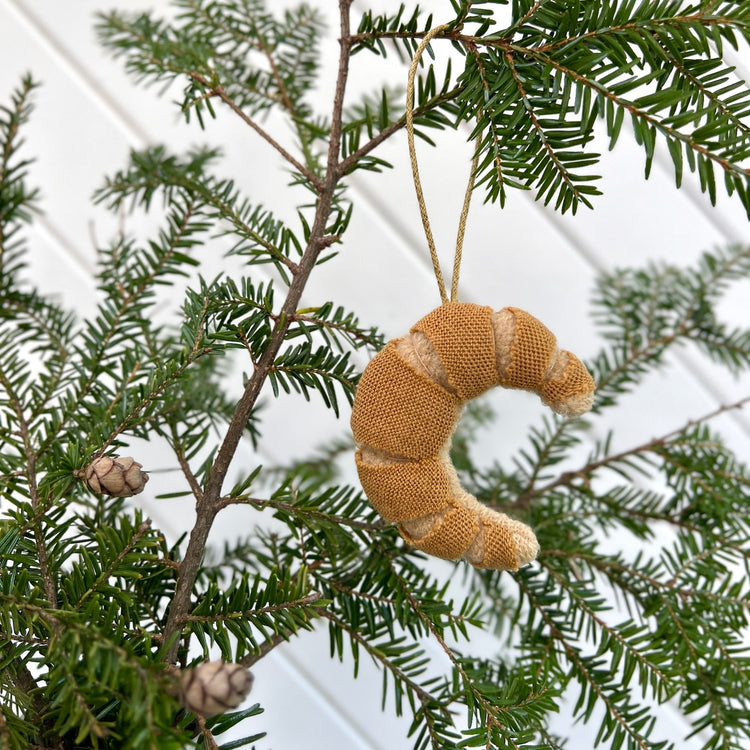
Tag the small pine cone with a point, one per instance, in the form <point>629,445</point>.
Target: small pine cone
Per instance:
<point>111,475</point>
<point>213,687</point>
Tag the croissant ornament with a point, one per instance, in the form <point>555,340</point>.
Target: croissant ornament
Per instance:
<point>407,406</point>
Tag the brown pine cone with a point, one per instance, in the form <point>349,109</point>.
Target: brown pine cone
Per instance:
<point>213,687</point>
<point>115,476</point>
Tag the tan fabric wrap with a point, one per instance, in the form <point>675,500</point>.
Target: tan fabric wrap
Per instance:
<point>401,411</point>
<point>404,491</point>
<point>530,353</point>
<point>500,551</point>
<point>450,537</point>
<point>461,335</point>
<point>403,421</point>
<point>575,381</point>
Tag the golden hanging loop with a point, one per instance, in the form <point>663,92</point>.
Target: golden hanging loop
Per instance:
<point>418,184</point>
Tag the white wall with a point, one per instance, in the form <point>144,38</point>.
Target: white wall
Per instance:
<point>89,115</point>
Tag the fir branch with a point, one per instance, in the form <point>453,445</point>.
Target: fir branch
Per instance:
<point>584,474</point>
<point>300,512</point>
<point>562,171</point>
<point>37,504</point>
<point>265,648</point>
<point>115,562</point>
<point>338,323</point>
<point>101,337</point>
<point>18,673</point>
<point>494,137</point>
<point>208,737</point>
<point>493,712</point>
<point>586,670</point>
<point>196,351</point>
<point>424,697</point>
<point>607,633</point>
<point>642,117</point>
<point>348,164</point>
<point>16,202</point>
<point>221,93</point>
<point>305,604</point>
<point>208,505</point>
<point>127,603</point>
<point>154,170</point>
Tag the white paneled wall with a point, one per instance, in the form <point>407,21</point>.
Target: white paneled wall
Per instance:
<point>89,115</point>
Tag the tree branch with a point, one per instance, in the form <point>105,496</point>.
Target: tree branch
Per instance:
<point>208,505</point>
<point>220,92</point>
<point>348,164</point>
<point>567,478</point>
<point>48,582</point>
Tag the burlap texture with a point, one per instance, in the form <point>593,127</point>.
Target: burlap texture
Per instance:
<point>499,548</point>
<point>450,537</point>
<point>404,491</point>
<point>575,381</point>
<point>530,353</point>
<point>461,335</point>
<point>403,419</point>
<point>402,411</point>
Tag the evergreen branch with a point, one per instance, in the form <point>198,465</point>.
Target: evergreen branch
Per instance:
<point>640,115</point>
<point>455,621</point>
<point>297,116</point>
<point>698,530</point>
<point>127,604</point>
<point>207,506</point>
<point>126,301</point>
<point>542,458</point>
<point>584,671</point>
<point>664,592</point>
<point>526,17</point>
<point>699,85</point>
<point>31,457</point>
<point>347,165</point>
<point>302,369</point>
<point>299,511</point>
<point>541,136</point>
<point>493,712</point>
<point>612,633</point>
<point>305,603</point>
<point>494,135</point>
<point>424,697</point>
<point>208,737</point>
<point>220,92</point>
<point>175,440</point>
<point>161,53</point>
<point>14,199</point>
<point>34,317</point>
<point>115,562</point>
<point>152,396</point>
<point>179,451</point>
<point>34,307</point>
<point>153,170</point>
<point>347,326</point>
<point>265,648</point>
<point>648,26</point>
<point>19,674</point>
<point>614,570</point>
<point>490,710</point>
<point>660,306</point>
<point>571,478</point>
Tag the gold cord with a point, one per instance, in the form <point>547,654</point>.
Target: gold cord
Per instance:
<point>462,228</point>
<point>418,184</point>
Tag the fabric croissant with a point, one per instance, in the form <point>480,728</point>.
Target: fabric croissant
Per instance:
<point>406,409</point>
